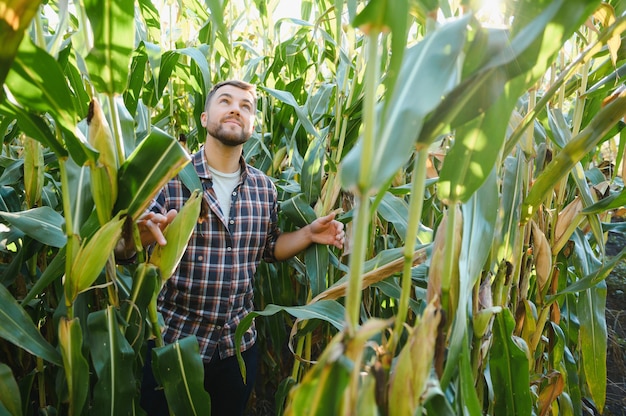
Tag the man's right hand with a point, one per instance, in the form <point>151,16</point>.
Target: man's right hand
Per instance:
<point>151,226</point>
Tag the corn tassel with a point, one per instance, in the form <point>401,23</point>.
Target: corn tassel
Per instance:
<point>104,172</point>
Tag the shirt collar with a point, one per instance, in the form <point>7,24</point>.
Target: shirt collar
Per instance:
<point>202,167</point>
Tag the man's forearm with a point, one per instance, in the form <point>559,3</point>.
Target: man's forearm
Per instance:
<point>291,243</point>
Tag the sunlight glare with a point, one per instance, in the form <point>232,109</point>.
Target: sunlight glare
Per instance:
<point>287,8</point>
<point>491,13</point>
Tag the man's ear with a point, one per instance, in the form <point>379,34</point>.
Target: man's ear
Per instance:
<point>203,118</point>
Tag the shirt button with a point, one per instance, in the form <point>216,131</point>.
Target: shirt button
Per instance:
<point>234,193</point>
<point>228,248</point>
<point>200,258</point>
<point>232,221</point>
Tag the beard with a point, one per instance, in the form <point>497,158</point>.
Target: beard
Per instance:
<point>226,136</point>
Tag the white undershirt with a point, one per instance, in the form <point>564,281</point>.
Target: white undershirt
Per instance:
<point>224,184</point>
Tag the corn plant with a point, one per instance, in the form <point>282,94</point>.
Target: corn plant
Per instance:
<point>464,159</point>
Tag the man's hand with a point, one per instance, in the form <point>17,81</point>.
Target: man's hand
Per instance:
<point>327,230</point>
<point>151,226</point>
<point>324,230</point>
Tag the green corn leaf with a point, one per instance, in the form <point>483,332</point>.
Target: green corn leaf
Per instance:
<point>177,234</point>
<point>42,224</point>
<point>134,309</point>
<point>323,388</point>
<point>614,201</point>
<point>38,83</point>
<point>189,177</point>
<point>91,258</point>
<point>55,269</point>
<point>321,392</point>
<point>508,365</point>
<point>138,66</point>
<point>151,16</point>
<point>326,310</point>
<point>391,287</point>
<point>414,362</point>
<point>428,72</point>
<point>18,328</point>
<point>113,26</point>
<point>169,61</point>
<point>152,164</point>
<point>469,398</point>
<point>383,16</point>
<point>313,169</point>
<point>565,161</point>
<point>217,18</point>
<point>298,210</point>
<point>75,80</point>
<point>575,387</point>
<point>436,402</point>
<point>10,399</point>
<point>537,37</point>
<point>9,199</point>
<point>113,359</point>
<point>81,199</point>
<point>511,200</point>
<point>74,363</point>
<point>320,104</point>
<point>480,215</point>
<point>396,211</point>
<point>316,259</point>
<point>288,98</point>
<point>479,142</point>
<point>593,338</point>
<point>11,35</point>
<point>178,368</point>
<point>476,148</point>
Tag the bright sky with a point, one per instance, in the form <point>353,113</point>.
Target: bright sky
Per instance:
<point>287,8</point>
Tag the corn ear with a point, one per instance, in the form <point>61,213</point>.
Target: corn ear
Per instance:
<point>92,257</point>
<point>435,270</point>
<point>414,363</point>
<point>33,171</point>
<point>74,363</point>
<point>436,277</point>
<point>483,320</point>
<point>567,223</point>
<point>104,172</point>
<point>177,234</point>
<point>542,254</point>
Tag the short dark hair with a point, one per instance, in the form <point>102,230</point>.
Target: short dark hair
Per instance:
<point>235,83</point>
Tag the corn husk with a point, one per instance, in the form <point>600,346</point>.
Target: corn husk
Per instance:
<point>177,234</point>
<point>104,172</point>
<point>542,254</point>
<point>33,171</point>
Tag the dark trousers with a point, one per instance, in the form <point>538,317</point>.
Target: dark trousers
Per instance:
<point>222,379</point>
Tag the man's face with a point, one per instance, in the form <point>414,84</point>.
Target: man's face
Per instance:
<point>230,115</point>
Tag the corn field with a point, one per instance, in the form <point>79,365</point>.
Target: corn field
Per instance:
<point>473,152</point>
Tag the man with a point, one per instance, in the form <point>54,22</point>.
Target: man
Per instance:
<point>211,290</point>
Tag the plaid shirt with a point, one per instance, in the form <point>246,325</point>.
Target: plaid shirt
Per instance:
<point>211,290</point>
